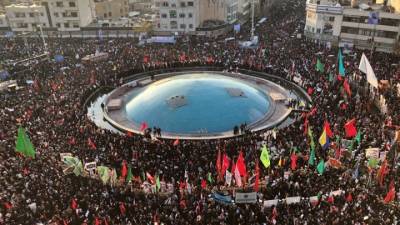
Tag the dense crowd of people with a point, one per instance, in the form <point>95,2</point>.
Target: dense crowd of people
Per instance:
<point>36,191</point>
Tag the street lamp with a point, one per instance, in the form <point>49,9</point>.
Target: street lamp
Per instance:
<point>37,13</point>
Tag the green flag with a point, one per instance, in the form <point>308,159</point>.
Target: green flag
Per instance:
<point>311,160</point>
<point>319,67</point>
<point>330,77</point>
<point>24,145</point>
<point>104,174</point>
<point>130,175</point>
<point>312,143</point>
<point>358,137</point>
<point>264,157</point>
<point>209,178</point>
<point>373,163</point>
<point>321,167</point>
<point>158,185</point>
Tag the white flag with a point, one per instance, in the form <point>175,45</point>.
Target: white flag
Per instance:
<point>228,178</point>
<point>238,179</point>
<point>367,69</point>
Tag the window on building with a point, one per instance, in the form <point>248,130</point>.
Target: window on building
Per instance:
<point>190,4</point>
<point>31,14</point>
<point>22,25</point>
<point>64,14</point>
<point>183,4</point>
<point>19,15</point>
<point>172,14</point>
<point>165,4</point>
<point>158,25</point>
<point>164,15</point>
<point>58,25</point>
<point>350,30</point>
<point>74,14</point>
<point>72,4</point>
<point>183,26</point>
<point>158,4</point>
<point>59,4</point>
<point>109,14</point>
<point>41,14</point>
<point>318,30</point>
<point>191,26</point>
<point>173,5</point>
<point>1,22</point>
<point>75,25</point>
<point>190,15</point>
<point>331,18</point>
<point>181,15</point>
<point>105,15</point>
<point>173,24</point>
<point>56,14</point>
<point>66,25</point>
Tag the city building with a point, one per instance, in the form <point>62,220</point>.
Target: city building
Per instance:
<point>187,16</point>
<point>68,15</point>
<point>177,16</point>
<point>26,17</point>
<point>142,6</point>
<point>3,21</point>
<point>356,24</point>
<point>111,9</point>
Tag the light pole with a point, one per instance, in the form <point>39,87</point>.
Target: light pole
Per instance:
<point>41,30</point>
<point>252,19</point>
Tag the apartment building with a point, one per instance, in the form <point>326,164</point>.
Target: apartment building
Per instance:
<point>142,6</point>
<point>111,9</point>
<point>358,24</point>
<point>177,16</point>
<point>187,15</point>
<point>26,17</point>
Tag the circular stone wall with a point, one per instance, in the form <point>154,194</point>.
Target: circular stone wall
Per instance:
<point>195,103</point>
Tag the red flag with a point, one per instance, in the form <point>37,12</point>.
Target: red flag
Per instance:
<point>350,128</point>
<point>124,170</point>
<point>241,165</point>
<point>313,111</point>
<point>176,142</point>
<point>293,161</point>
<point>225,164</point>
<point>203,184</point>
<point>349,198</point>
<point>97,221</point>
<point>7,205</point>
<point>122,208</point>
<point>331,199</point>
<point>347,87</point>
<point>143,126</point>
<point>150,178</point>
<point>305,126</point>
<point>310,90</point>
<point>182,57</point>
<point>391,194</point>
<point>383,170</point>
<point>218,164</point>
<point>256,183</point>
<point>327,128</point>
<point>274,213</point>
<point>105,221</point>
<point>182,185</point>
<point>91,144</point>
<point>146,59</point>
<point>129,134</point>
<point>74,204</point>
<point>72,141</point>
